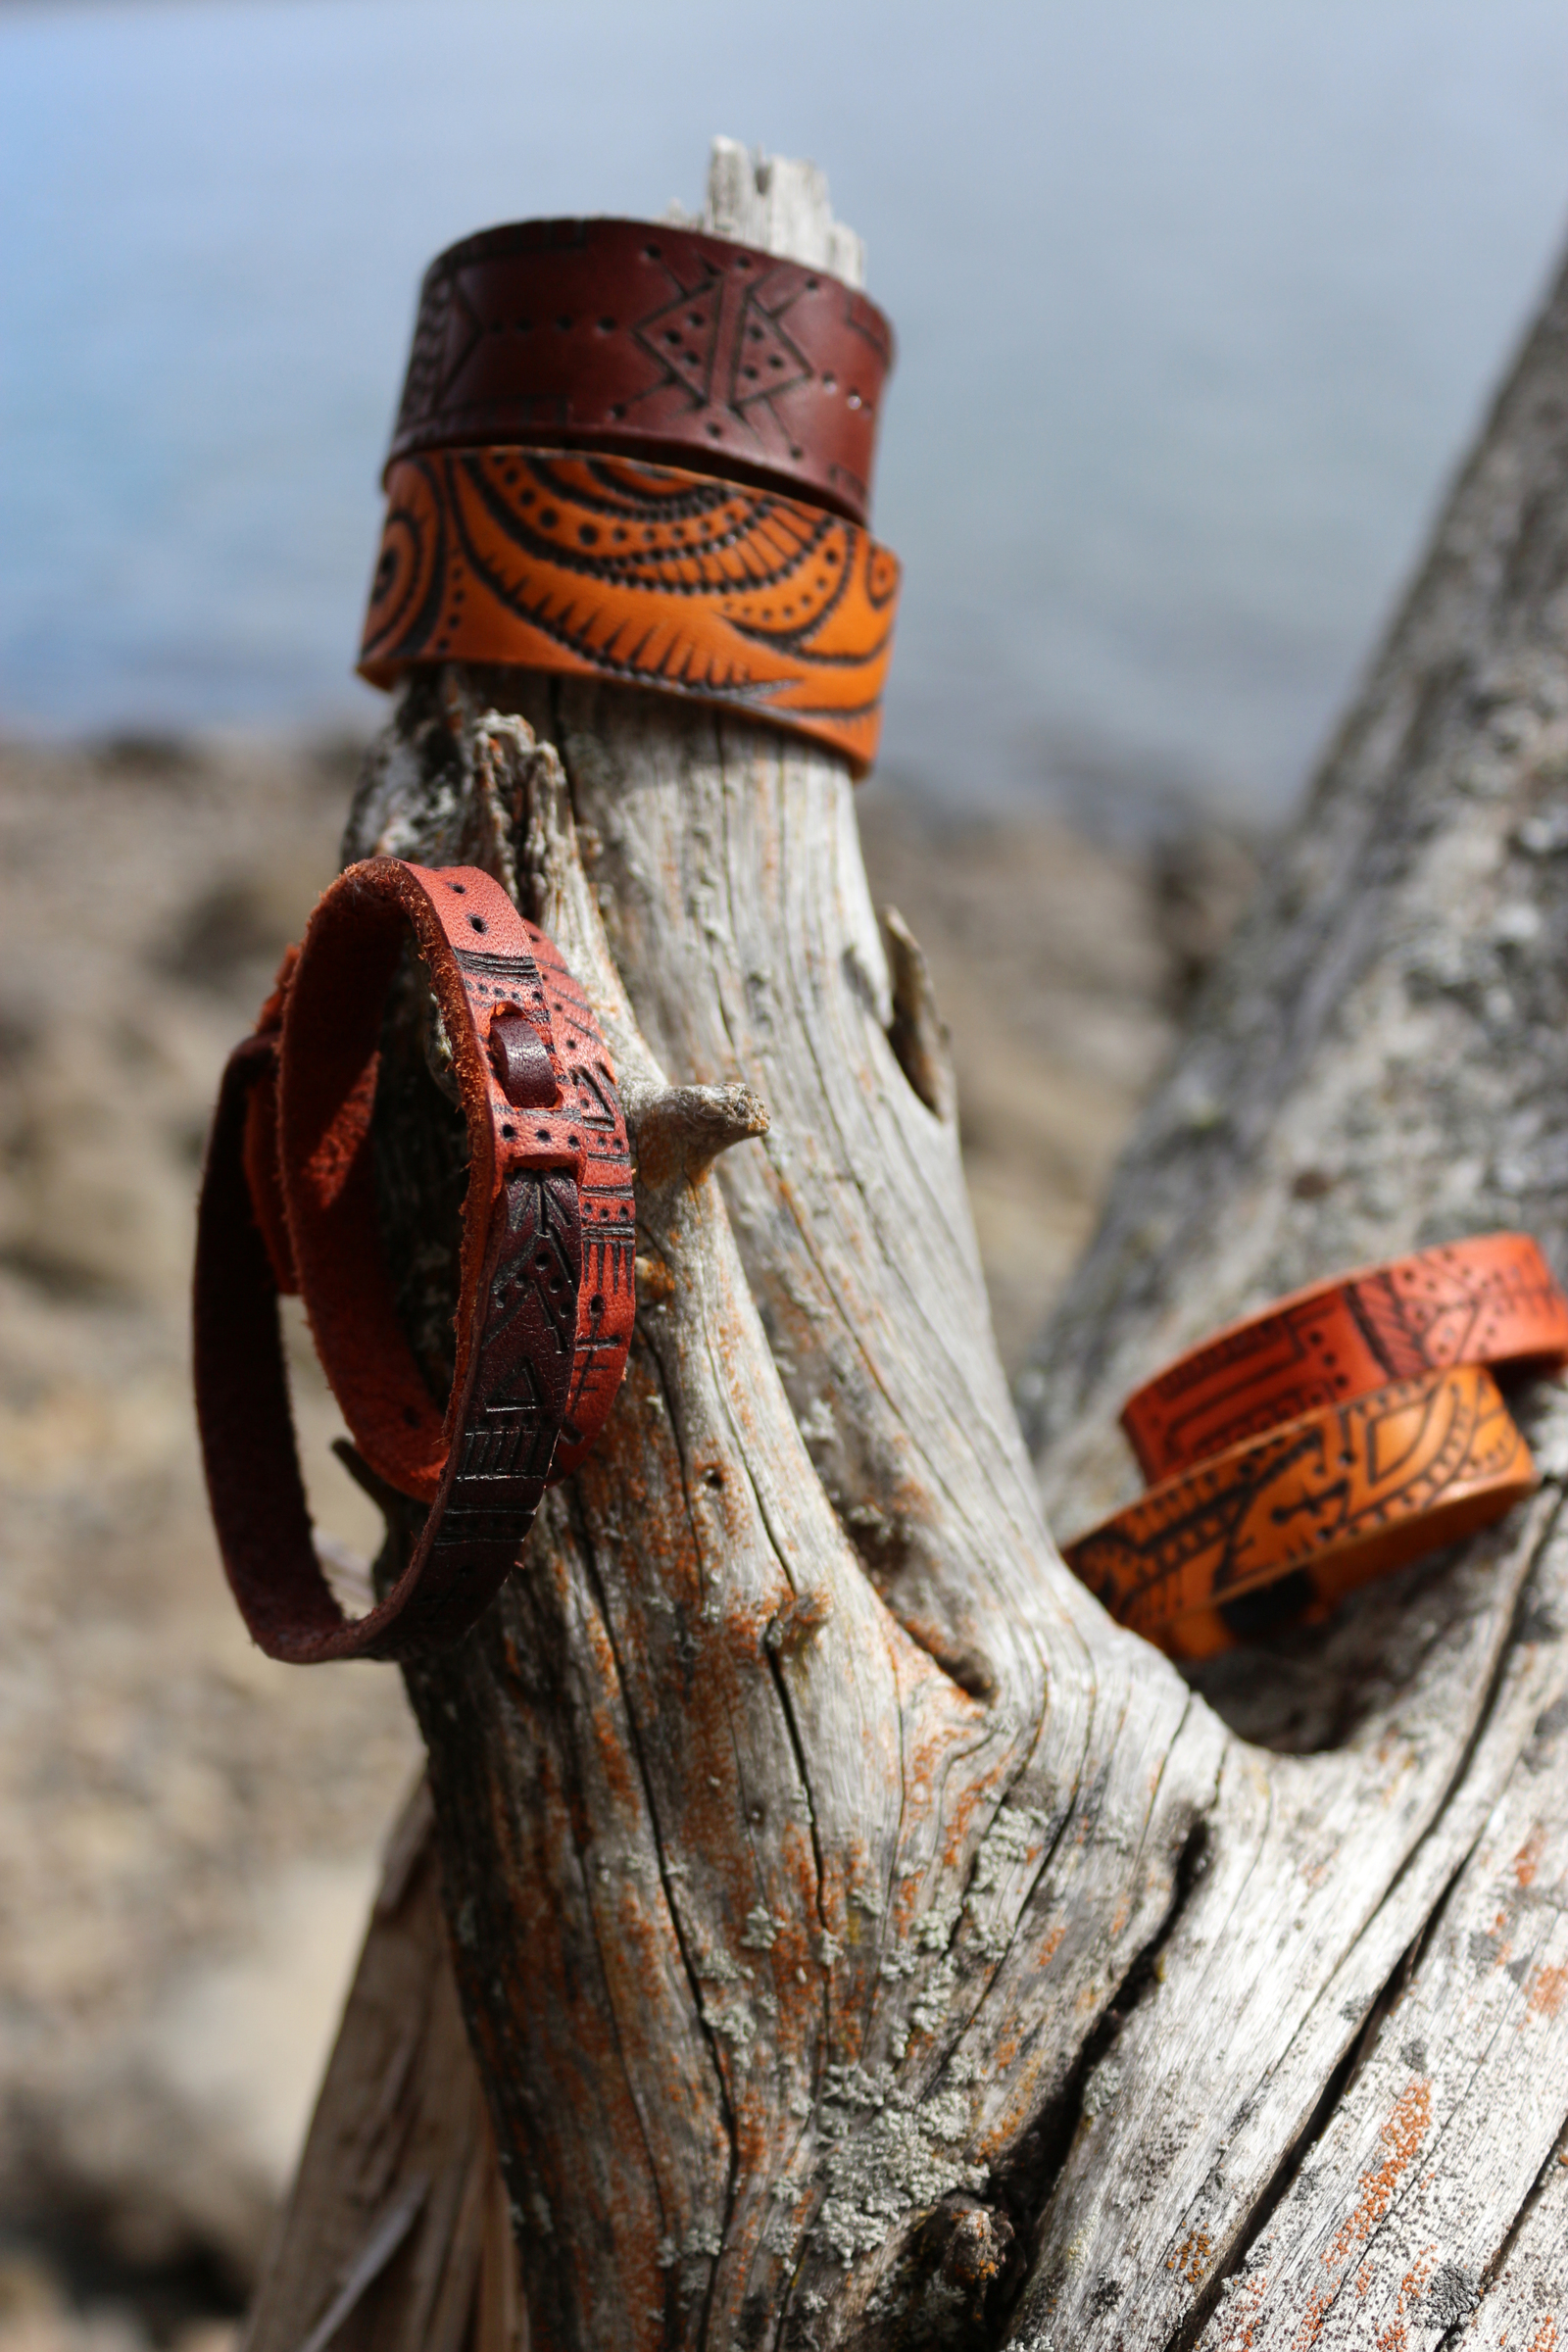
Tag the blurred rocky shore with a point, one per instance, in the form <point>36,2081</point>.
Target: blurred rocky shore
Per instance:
<point>188,1833</point>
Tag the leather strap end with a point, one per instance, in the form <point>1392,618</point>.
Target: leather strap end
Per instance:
<point>263,1178</point>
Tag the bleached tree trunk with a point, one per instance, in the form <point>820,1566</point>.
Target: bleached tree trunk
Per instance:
<point>861,1940</point>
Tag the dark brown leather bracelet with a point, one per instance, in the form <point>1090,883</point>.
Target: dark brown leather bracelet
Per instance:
<point>545,1315</point>
<point>654,342</point>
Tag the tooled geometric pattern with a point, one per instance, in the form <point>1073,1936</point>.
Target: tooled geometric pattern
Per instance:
<point>724,342</point>
<point>603,334</point>
<point>1492,1301</point>
<point>534,1281</point>
<point>1425,1316</point>
<point>607,1212</point>
<point>1283,1503</point>
<point>586,1123</point>
<point>430,366</point>
<point>638,571</point>
<point>630,524</point>
<point>523,1371</point>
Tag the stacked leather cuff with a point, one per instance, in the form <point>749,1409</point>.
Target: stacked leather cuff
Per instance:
<point>288,1203</point>
<point>642,454</point>
<point>1337,1436</point>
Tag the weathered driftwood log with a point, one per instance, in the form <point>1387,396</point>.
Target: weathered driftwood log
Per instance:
<point>861,1940</point>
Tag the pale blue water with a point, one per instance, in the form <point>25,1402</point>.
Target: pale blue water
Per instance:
<point>1198,302</point>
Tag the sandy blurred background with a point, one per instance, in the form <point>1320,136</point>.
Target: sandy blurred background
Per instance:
<point>1198,302</point>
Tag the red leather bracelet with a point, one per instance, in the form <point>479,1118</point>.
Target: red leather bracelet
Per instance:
<point>650,341</point>
<point>546,1306</point>
<point>1291,1461</point>
<point>1490,1300</point>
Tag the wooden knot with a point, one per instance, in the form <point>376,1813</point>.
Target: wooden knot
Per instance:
<point>917,1034</point>
<point>680,1130</point>
<point>970,2242</point>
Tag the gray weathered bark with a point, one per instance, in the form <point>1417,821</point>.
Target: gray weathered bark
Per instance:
<point>860,1939</point>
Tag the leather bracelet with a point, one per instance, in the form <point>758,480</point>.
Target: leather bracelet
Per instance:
<point>1338,1434</point>
<point>655,342</point>
<point>1490,1300</point>
<point>1301,1516</point>
<point>602,566</point>
<point>546,1306</point>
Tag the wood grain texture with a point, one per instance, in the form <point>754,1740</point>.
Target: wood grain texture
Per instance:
<point>1379,1064</point>
<point>862,1941</point>
<point>1394,2219</point>
<point>931,1805</point>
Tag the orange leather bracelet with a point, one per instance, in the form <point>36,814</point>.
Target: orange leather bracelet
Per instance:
<point>1309,1511</point>
<point>288,1201</point>
<point>1294,1463</point>
<point>605,567</point>
<point>1490,1300</point>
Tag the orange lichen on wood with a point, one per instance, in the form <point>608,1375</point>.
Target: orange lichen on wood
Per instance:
<point>1546,1989</point>
<point>1401,2136</point>
<point>1192,2256</point>
<point>1527,1860</point>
